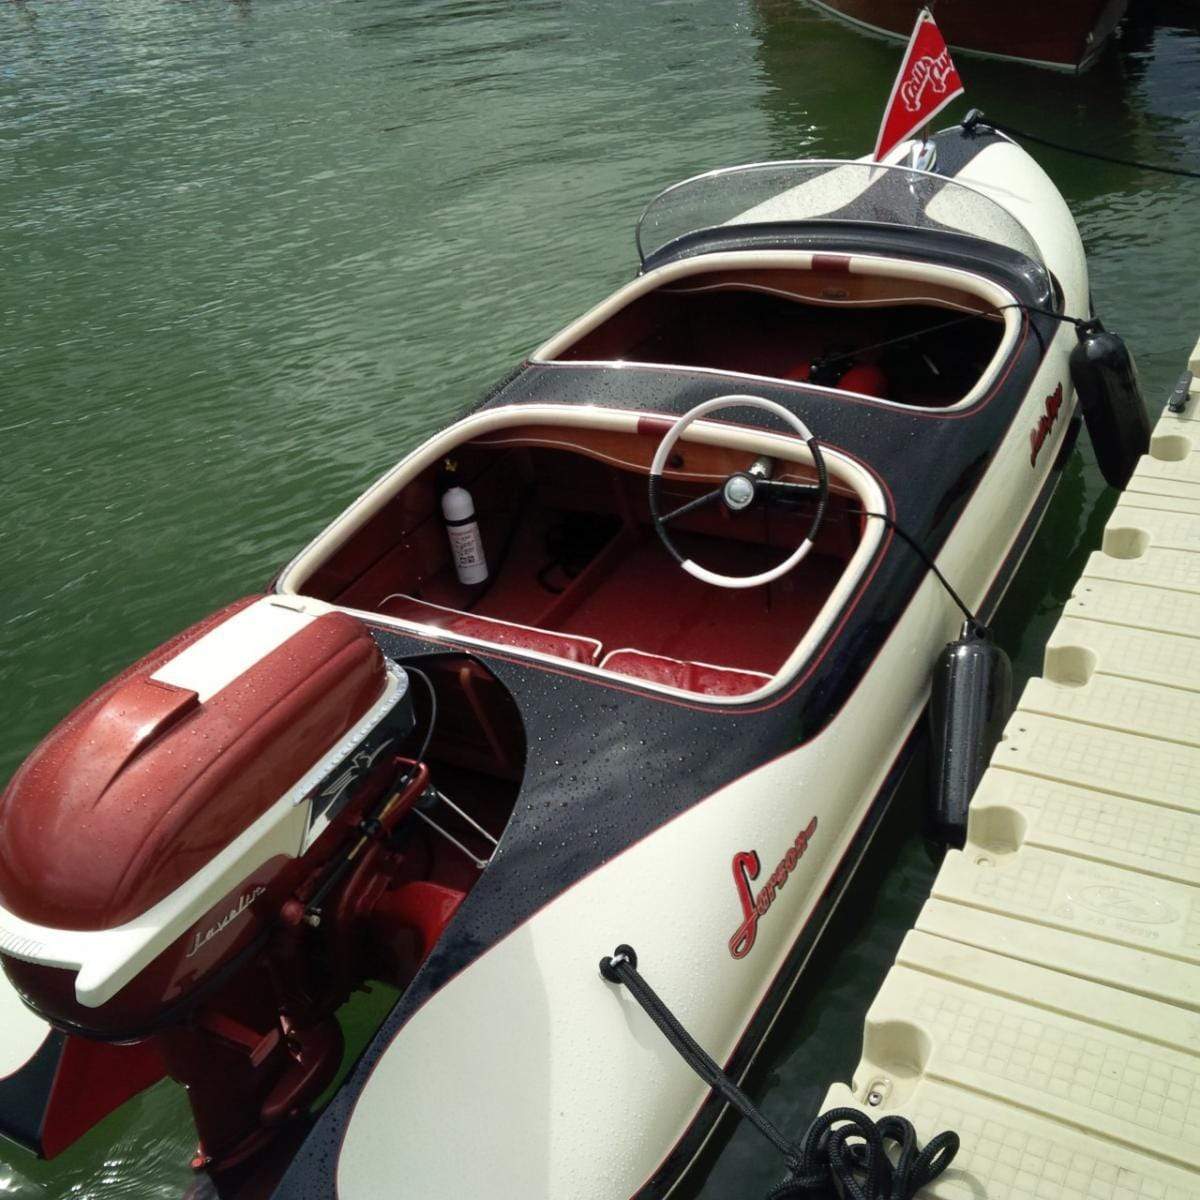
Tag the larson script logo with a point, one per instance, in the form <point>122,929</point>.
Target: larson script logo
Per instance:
<point>243,902</point>
<point>1041,431</point>
<point>746,867</point>
<point>927,72</point>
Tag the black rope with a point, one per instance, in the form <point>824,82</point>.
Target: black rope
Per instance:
<point>991,310</point>
<point>622,968</point>
<point>927,559</point>
<point>1082,324</point>
<point>832,1164</point>
<point>827,1163</point>
<point>974,120</point>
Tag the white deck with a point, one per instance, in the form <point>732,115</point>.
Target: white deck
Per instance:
<point>1047,1004</point>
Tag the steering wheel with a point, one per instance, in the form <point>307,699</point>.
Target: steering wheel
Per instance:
<point>740,491</point>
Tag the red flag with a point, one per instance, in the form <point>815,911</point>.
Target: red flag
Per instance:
<point>927,82</point>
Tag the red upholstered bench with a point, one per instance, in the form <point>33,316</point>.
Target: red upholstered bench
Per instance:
<point>703,678</point>
<point>490,629</point>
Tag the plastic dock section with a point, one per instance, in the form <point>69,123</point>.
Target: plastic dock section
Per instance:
<point>1047,1003</point>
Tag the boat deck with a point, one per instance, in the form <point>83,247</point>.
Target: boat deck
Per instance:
<point>1047,1003</point>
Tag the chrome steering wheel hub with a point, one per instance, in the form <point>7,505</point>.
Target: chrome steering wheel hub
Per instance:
<point>739,492</point>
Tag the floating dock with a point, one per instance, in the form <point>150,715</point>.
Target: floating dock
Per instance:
<point>1047,1003</point>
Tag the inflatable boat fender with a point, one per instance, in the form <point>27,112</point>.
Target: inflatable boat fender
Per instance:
<point>1110,395</point>
<point>972,695</point>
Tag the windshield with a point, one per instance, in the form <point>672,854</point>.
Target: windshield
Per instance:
<point>768,193</point>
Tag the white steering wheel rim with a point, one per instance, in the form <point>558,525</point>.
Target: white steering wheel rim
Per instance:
<point>664,452</point>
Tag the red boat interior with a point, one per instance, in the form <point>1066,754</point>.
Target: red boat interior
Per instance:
<point>476,756</point>
<point>826,327</point>
<point>576,570</point>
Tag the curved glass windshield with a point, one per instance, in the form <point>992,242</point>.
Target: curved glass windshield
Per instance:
<point>768,193</point>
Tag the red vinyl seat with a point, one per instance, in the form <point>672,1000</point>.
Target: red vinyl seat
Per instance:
<point>702,678</point>
<point>571,646</point>
<point>866,379</point>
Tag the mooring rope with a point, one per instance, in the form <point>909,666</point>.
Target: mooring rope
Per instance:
<point>827,1163</point>
<point>976,119</point>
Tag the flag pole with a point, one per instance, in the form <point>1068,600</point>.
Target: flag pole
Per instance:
<point>925,155</point>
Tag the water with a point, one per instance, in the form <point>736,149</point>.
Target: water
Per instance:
<point>252,252</point>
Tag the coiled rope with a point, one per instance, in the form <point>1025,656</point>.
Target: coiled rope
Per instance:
<point>832,1164</point>
<point>843,1154</point>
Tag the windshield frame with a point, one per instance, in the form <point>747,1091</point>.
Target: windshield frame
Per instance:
<point>830,163</point>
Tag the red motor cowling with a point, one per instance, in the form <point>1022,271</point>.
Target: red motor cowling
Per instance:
<point>181,863</point>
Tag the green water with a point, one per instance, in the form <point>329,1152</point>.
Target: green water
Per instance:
<point>251,252</point>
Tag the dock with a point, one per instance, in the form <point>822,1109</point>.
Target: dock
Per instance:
<point>1046,1005</point>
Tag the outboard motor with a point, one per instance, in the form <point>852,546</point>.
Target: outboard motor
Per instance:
<point>1110,395</point>
<point>200,861</point>
<point>972,694</point>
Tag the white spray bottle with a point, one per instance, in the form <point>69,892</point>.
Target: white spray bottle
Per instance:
<point>466,544</point>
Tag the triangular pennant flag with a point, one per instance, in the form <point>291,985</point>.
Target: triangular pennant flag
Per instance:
<point>927,82</point>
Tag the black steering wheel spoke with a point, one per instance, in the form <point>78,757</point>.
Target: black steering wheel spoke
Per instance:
<point>788,494</point>
<point>691,506</point>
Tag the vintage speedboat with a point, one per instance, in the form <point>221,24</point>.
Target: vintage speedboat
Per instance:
<point>1067,36</point>
<point>634,652</point>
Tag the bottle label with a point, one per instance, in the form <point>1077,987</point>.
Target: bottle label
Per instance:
<point>467,547</point>
<point>465,542</point>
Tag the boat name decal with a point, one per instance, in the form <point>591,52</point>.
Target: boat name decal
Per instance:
<point>1041,431</point>
<point>926,72</point>
<point>243,902</point>
<point>746,866</point>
